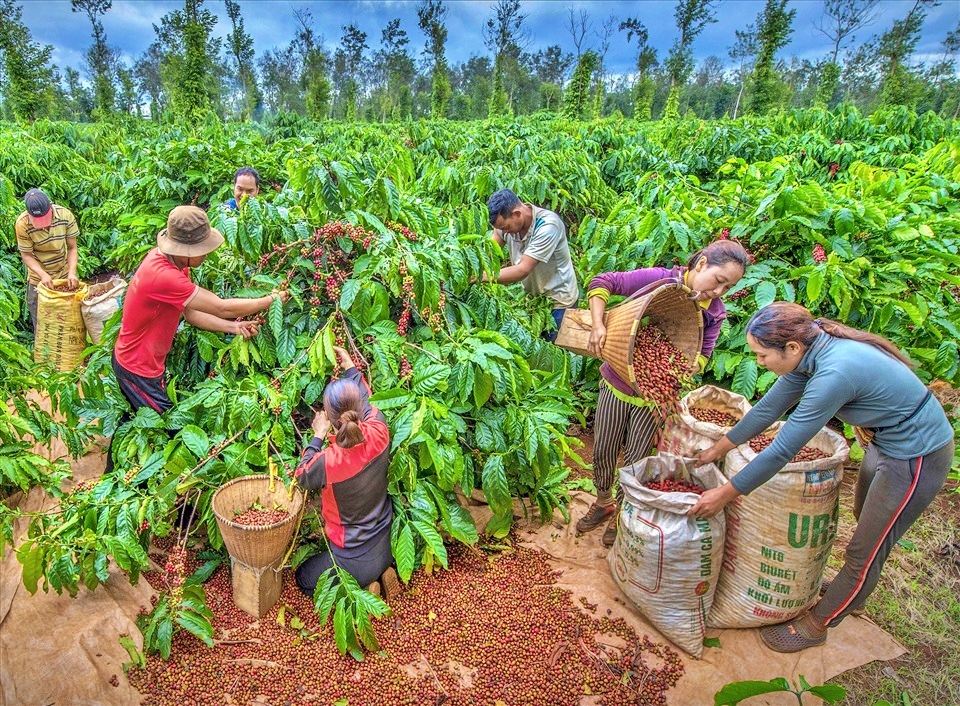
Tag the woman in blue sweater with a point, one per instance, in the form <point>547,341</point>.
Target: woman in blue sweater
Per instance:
<point>828,369</point>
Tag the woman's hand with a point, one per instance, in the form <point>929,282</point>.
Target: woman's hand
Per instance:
<point>346,362</point>
<point>713,501</point>
<point>715,452</point>
<point>321,425</point>
<point>598,337</point>
<point>247,329</point>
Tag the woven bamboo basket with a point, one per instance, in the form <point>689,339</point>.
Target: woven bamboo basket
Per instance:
<point>259,546</point>
<point>667,306</point>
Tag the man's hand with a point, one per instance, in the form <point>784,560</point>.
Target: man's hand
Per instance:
<point>72,280</point>
<point>321,425</point>
<point>598,337</point>
<point>283,294</point>
<point>247,329</point>
<point>46,280</point>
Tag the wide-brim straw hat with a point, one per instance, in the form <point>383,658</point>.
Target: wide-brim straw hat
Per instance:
<point>188,233</point>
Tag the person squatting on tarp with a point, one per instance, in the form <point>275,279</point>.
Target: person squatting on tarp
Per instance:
<point>351,474</point>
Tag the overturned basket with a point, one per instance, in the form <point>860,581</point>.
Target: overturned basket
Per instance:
<point>668,306</point>
<point>256,546</point>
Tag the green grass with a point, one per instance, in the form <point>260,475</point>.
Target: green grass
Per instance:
<point>918,603</point>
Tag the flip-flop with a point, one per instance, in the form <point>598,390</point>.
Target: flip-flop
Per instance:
<point>788,637</point>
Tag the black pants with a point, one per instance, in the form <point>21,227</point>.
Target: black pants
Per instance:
<point>365,568</point>
<point>140,392</point>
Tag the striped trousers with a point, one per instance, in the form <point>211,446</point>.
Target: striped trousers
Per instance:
<point>889,497</point>
<point>619,426</point>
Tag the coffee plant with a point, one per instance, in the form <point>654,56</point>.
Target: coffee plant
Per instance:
<point>378,233</point>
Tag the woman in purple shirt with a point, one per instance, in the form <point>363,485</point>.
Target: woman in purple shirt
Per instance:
<point>624,421</point>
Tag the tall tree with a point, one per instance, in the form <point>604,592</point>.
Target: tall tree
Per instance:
<point>240,46</point>
<point>841,18</point>
<point>128,98</point>
<point>578,25</point>
<point>550,66</point>
<point>99,57</point>
<point>644,87</point>
<point>899,86</point>
<point>504,36</point>
<point>395,71</point>
<point>691,16</point>
<point>314,70</point>
<point>149,76</point>
<point>28,77</point>
<point>606,31</point>
<point>944,76</point>
<point>774,27</point>
<point>742,51</point>
<point>79,104</point>
<point>576,100</point>
<point>432,15</point>
<point>190,70</point>
<point>349,68</point>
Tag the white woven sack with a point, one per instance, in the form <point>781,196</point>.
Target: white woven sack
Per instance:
<point>664,561</point>
<point>779,537</point>
<point>101,302</point>
<point>685,435</point>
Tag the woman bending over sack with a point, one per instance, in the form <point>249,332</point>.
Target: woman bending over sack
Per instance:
<point>351,475</point>
<point>624,421</point>
<point>828,369</point>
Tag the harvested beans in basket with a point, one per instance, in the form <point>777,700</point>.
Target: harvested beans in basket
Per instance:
<point>255,516</point>
<point>662,371</point>
<point>807,453</point>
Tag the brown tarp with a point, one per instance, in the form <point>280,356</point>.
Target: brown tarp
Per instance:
<point>63,651</point>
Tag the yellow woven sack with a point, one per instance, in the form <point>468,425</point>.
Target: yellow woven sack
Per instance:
<point>61,334</point>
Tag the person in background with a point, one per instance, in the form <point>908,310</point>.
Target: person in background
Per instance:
<point>47,240</point>
<point>829,369</point>
<point>246,183</point>
<point>536,241</point>
<point>159,294</point>
<point>349,468</point>
<point>624,421</point>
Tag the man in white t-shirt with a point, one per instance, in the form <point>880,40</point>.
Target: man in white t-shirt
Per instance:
<point>539,255</point>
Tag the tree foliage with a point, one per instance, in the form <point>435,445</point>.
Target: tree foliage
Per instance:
<point>774,26</point>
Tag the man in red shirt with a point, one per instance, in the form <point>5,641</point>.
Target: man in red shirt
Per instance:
<point>159,293</point>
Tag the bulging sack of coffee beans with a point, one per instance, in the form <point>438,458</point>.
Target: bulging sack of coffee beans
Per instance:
<point>61,336</point>
<point>779,536</point>
<point>101,302</point>
<point>664,561</point>
<point>704,415</point>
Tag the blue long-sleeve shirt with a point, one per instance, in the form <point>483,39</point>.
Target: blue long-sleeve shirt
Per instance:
<point>859,384</point>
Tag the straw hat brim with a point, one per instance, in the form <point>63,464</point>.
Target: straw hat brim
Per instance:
<point>168,246</point>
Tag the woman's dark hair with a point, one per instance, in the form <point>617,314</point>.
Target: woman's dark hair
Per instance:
<point>781,322</point>
<point>341,400</point>
<point>719,253</point>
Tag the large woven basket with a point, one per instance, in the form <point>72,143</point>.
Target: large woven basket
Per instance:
<point>259,546</point>
<point>667,306</point>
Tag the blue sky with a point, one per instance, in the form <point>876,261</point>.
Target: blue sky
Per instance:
<point>129,25</point>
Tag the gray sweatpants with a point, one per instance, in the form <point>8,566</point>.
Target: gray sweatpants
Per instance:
<point>32,298</point>
<point>890,495</point>
<point>619,426</point>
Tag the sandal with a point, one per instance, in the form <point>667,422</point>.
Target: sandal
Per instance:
<point>610,533</point>
<point>596,516</point>
<point>790,636</point>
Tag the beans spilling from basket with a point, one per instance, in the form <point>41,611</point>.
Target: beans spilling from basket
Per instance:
<point>660,368</point>
<point>674,485</point>
<point>807,453</point>
<point>714,416</point>
<point>260,517</point>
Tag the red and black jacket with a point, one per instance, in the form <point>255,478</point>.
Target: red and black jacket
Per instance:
<point>352,482</point>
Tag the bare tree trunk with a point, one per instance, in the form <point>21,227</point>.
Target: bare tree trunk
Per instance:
<point>736,106</point>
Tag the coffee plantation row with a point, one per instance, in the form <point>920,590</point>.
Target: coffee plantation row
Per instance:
<point>378,232</point>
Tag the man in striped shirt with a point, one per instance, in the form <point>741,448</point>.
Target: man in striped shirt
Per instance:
<point>47,240</point>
